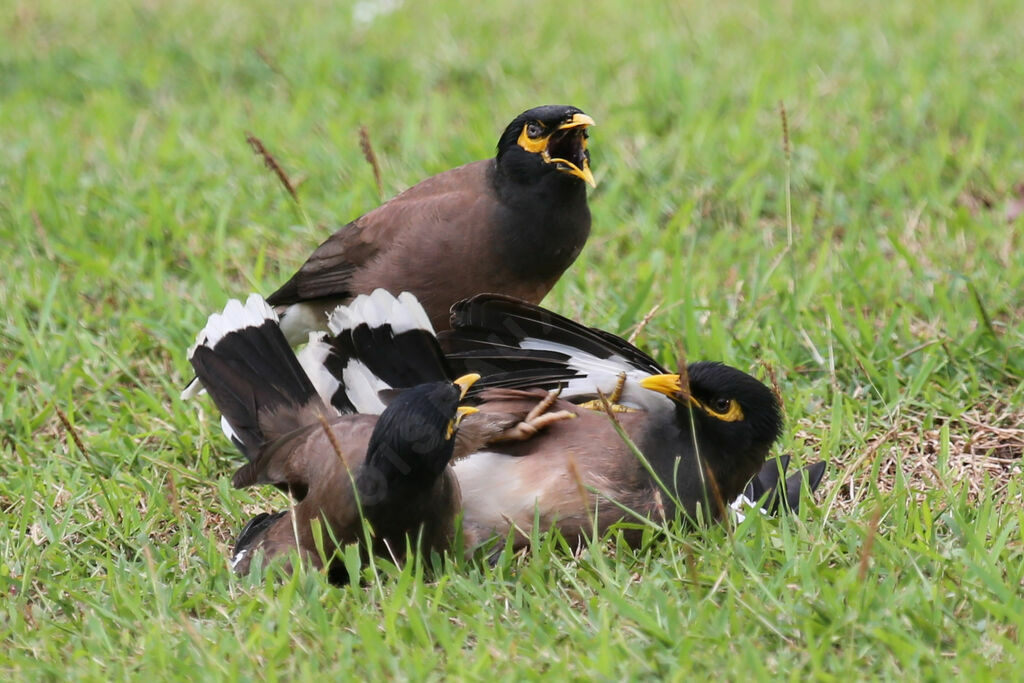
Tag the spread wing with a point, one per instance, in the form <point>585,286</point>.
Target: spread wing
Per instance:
<point>517,345</point>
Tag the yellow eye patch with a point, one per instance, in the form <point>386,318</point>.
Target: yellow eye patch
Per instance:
<point>671,386</point>
<point>731,414</point>
<point>533,145</point>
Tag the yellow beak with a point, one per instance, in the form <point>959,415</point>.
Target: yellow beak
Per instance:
<point>663,384</point>
<point>585,173</point>
<point>465,382</point>
<point>670,385</point>
<point>540,146</point>
<point>463,411</point>
<point>460,412</point>
<point>578,120</point>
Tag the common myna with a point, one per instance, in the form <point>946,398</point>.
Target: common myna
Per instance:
<point>392,468</point>
<point>511,224</point>
<point>309,425</point>
<point>705,430</point>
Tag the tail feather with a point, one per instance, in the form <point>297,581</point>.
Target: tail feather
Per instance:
<point>252,532</point>
<point>250,371</point>
<point>383,342</point>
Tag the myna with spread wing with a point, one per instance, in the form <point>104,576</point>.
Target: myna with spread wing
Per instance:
<point>361,424</point>
<point>339,468</point>
<point>705,430</point>
<point>511,224</point>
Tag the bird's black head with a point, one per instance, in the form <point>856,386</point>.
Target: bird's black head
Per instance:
<point>737,418</point>
<point>552,138</point>
<point>413,439</point>
<point>743,409</point>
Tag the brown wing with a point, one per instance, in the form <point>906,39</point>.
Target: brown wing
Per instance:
<point>306,465</point>
<point>461,194</point>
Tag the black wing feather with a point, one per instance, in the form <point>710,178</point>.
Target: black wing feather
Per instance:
<point>252,373</point>
<point>781,493</point>
<point>403,360</point>
<point>489,329</point>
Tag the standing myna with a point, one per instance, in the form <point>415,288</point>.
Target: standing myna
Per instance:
<point>393,469</point>
<point>511,224</point>
<point>705,431</point>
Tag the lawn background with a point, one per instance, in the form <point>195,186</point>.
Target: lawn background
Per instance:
<point>889,309</point>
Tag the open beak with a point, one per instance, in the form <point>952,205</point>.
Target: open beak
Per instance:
<point>580,165</point>
<point>566,147</point>
<point>460,412</point>
<point>464,383</point>
<point>463,411</point>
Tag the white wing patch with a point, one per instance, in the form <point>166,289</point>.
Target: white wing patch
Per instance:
<point>239,556</point>
<point>194,388</point>
<point>379,308</point>
<point>312,358</point>
<point>601,374</point>
<point>228,430</point>
<point>363,388</point>
<point>741,504</point>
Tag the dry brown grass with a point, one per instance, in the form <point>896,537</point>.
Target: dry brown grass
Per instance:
<point>985,443</point>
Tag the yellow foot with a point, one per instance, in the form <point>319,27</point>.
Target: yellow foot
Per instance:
<point>536,419</point>
<point>613,399</point>
<point>596,404</point>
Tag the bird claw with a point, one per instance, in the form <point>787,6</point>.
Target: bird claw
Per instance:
<point>611,400</point>
<point>537,419</point>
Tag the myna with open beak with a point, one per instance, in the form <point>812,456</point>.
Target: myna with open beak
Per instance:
<point>361,424</point>
<point>511,224</point>
<point>705,431</point>
<point>393,469</point>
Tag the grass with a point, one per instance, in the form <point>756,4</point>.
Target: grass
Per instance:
<point>889,309</point>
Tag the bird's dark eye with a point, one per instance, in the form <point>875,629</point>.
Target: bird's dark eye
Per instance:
<point>721,405</point>
<point>534,130</point>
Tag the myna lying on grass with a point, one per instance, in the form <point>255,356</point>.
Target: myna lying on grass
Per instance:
<point>511,224</point>
<point>393,468</point>
<point>549,475</point>
<point>705,431</point>
<point>297,421</point>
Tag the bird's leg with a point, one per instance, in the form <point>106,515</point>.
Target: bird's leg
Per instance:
<point>613,398</point>
<point>535,420</point>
